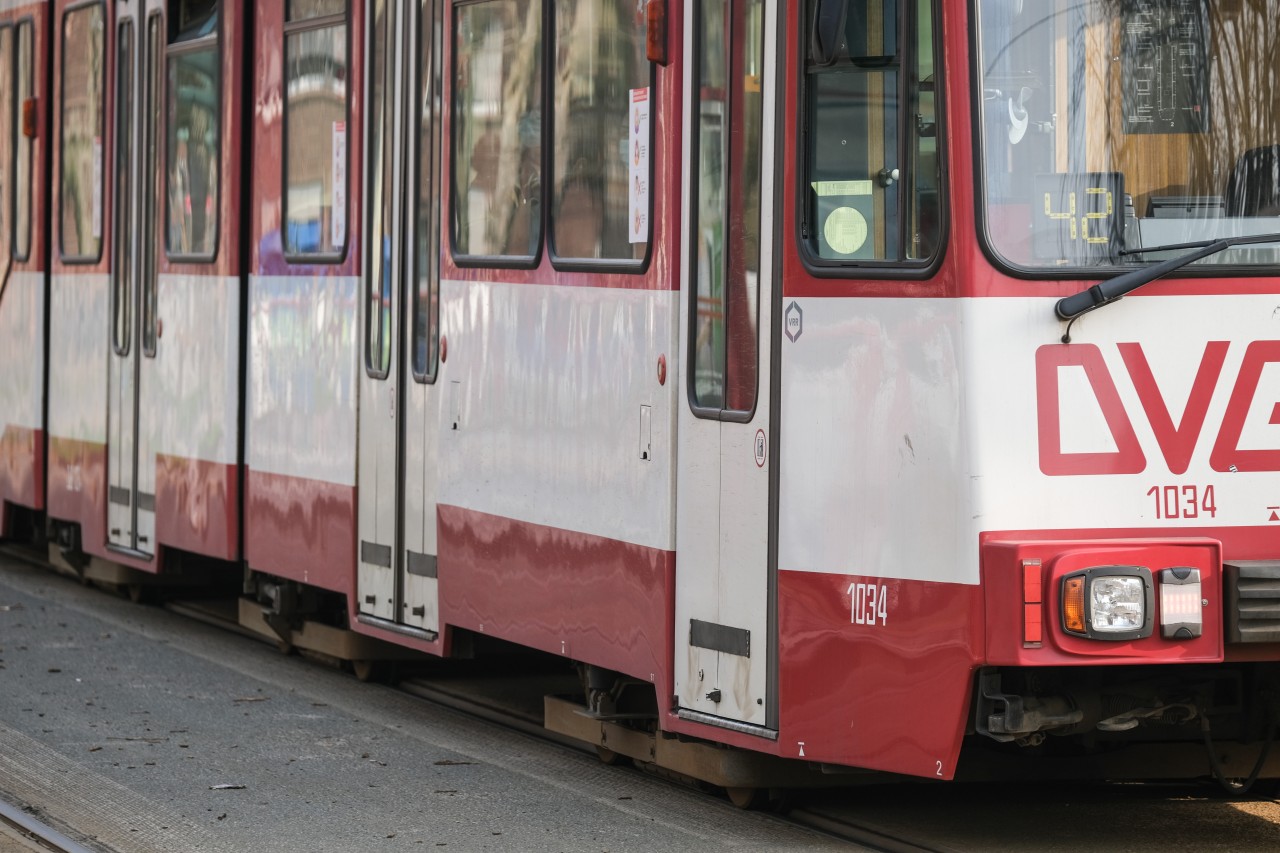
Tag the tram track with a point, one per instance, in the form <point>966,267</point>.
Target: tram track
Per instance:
<point>447,688</point>
<point>871,816</point>
<point>22,827</point>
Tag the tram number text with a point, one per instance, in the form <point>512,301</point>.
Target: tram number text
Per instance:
<point>1177,502</point>
<point>869,603</point>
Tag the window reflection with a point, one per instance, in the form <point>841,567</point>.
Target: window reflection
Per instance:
<point>193,153</point>
<point>600,58</point>
<point>6,142</point>
<point>728,185</point>
<point>1157,121</point>
<point>80,188</point>
<point>22,176</point>
<point>316,148</point>
<point>497,150</point>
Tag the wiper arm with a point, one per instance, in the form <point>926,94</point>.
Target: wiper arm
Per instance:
<point>1106,292</point>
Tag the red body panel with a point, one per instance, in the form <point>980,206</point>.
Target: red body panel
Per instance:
<point>891,697</point>
<point>1002,567</point>
<point>21,470</point>
<point>78,487</point>
<point>596,600</point>
<point>197,503</point>
<point>300,529</point>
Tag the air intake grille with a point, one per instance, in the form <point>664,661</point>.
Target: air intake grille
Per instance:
<point>1253,601</point>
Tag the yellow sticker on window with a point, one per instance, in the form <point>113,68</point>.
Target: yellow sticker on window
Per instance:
<point>845,230</point>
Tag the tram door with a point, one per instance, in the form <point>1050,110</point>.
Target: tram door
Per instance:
<point>725,643</point>
<point>139,46</point>
<point>396,583</point>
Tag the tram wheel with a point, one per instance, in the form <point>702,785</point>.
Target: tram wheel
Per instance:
<point>748,798</point>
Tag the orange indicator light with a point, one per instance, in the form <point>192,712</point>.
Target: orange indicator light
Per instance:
<point>1073,604</point>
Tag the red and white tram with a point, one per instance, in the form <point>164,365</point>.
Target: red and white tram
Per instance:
<point>764,359</point>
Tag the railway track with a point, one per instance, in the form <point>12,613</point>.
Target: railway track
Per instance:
<point>21,831</point>
<point>510,697</point>
<point>881,817</point>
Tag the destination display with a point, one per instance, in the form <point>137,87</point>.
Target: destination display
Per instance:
<point>1076,217</point>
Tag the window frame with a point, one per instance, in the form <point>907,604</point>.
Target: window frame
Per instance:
<point>908,269</point>
<point>434,167</point>
<point>15,135</point>
<point>290,28</point>
<point>24,24</point>
<point>634,266</point>
<point>518,262</point>
<point>179,48</point>
<point>721,413</point>
<point>155,83</point>
<point>122,288</point>
<point>370,113</point>
<point>63,256</point>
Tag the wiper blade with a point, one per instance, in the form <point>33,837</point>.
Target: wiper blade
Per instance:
<point>1106,292</point>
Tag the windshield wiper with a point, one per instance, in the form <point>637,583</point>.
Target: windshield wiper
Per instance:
<point>1106,292</point>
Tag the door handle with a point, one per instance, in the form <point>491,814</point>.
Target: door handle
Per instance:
<point>887,177</point>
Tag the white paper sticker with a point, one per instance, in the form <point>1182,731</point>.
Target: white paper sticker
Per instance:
<point>97,187</point>
<point>638,186</point>
<point>338,213</point>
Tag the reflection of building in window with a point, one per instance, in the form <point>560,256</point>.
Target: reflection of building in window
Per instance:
<point>498,129</point>
<point>80,192</point>
<point>600,59</point>
<point>316,136</point>
<point>193,152</point>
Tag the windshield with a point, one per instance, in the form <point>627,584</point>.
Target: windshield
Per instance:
<point>1109,126</point>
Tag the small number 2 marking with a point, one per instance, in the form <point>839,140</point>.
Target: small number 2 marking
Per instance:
<point>939,763</point>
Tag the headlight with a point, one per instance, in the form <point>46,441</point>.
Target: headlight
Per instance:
<point>1108,603</point>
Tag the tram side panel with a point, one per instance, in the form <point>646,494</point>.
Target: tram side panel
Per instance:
<point>23,51</point>
<point>300,441</point>
<point>173,424</point>
<point>79,281</point>
<point>557,419</point>
<point>191,393</point>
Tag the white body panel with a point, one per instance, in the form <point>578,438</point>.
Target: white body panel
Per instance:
<point>22,365</point>
<point>548,383</point>
<point>190,397</point>
<point>78,347</point>
<point>301,395</point>
<point>910,426</point>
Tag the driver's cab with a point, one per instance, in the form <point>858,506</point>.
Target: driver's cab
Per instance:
<point>1109,128</point>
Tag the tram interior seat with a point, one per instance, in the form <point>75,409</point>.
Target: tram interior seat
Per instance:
<point>1253,189</point>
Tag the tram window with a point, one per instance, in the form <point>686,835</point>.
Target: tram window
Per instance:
<point>1108,127</point>
<point>381,196</point>
<point>152,117</point>
<point>80,180</point>
<point>726,236</point>
<point>315,130</point>
<point>122,285</point>
<point>194,95</point>
<point>7,141</point>
<point>426,295</point>
<point>871,170</point>
<point>192,20</point>
<point>22,175</point>
<point>600,62</point>
<point>497,130</point>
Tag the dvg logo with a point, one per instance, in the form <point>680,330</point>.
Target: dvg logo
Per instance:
<point>1254,390</point>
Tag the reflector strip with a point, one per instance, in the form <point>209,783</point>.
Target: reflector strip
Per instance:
<point>1032,615</point>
